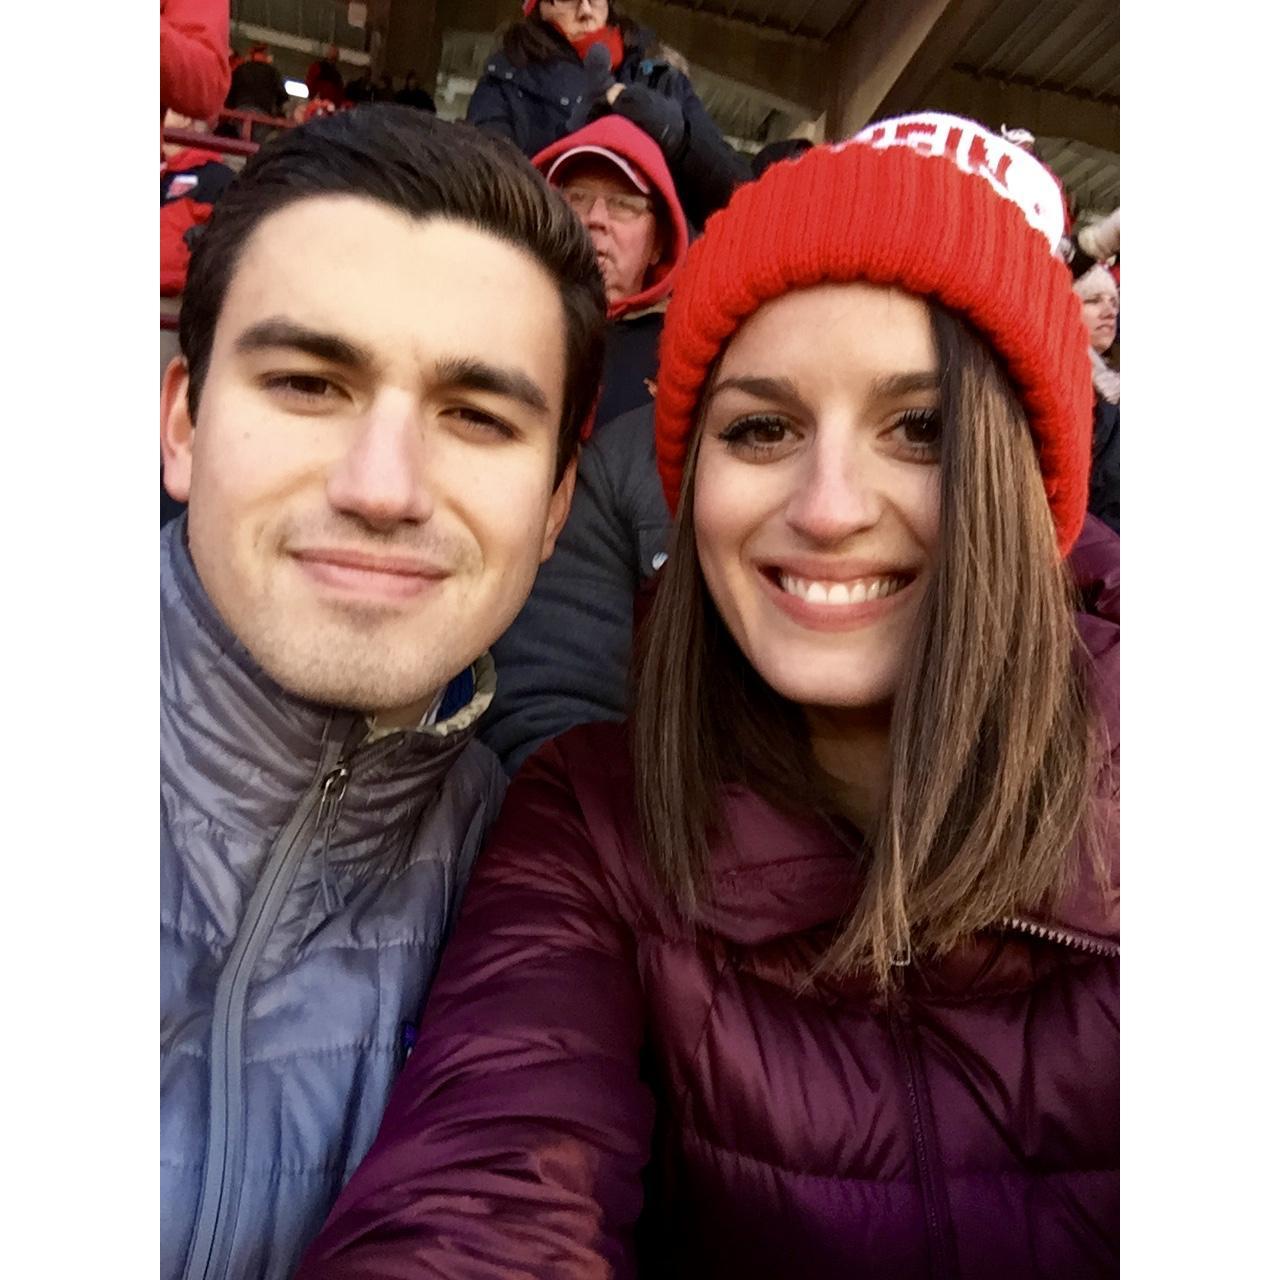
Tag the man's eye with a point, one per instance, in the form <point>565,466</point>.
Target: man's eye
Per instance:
<point>480,422</point>
<point>302,386</point>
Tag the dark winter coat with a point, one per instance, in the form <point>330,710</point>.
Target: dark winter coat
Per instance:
<point>534,105</point>
<point>586,1057</point>
<point>565,659</point>
<point>257,86</point>
<point>1104,474</point>
<point>308,879</point>
<point>630,363</point>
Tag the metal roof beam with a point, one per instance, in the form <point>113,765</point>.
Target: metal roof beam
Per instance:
<point>1046,112</point>
<point>791,69</point>
<point>889,50</point>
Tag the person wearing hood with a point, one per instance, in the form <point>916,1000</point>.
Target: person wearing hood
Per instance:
<point>568,61</point>
<point>195,71</point>
<point>1100,297</point>
<point>615,179</point>
<point>564,660</point>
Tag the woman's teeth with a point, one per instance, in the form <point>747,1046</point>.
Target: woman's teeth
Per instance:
<point>857,591</point>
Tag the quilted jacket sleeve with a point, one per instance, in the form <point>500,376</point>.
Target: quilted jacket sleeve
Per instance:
<point>194,74</point>
<point>490,109</point>
<point>564,661</point>
<point>515,1138</point>
<point>710,170</point>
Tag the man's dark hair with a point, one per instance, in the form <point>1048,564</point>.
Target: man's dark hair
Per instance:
<point>423,167</point>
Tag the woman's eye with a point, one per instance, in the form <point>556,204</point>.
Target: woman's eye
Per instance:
<point>921,430</point>
<point>302,386</point>
<point>756,435</point>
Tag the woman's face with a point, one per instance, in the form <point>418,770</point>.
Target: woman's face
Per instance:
<point>1101,302</point>
<point>575,17</point>
<point>816,495</point>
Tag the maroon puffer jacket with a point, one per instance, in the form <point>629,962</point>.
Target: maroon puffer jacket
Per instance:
<point>970,1128</point>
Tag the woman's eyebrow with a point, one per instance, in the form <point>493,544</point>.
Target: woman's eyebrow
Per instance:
<point>779,390</point>
<point>901,384</point>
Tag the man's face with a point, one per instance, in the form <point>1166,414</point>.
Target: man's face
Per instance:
<point>626,236</point>
<point>371,477</point>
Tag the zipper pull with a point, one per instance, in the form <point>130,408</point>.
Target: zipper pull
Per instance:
<point>335,788</point>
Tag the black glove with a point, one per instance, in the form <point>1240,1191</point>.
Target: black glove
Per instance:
<point>599,81</point>
<point>660,116</point>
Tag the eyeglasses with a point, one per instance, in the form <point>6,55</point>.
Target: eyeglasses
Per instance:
<point>623,207</point>
<point>573,4</point>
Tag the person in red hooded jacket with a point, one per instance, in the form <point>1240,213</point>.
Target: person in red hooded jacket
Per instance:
<point>324,79</point>
<point>813,971</point>
<point>615,179</point>
<point>564,659</point>
<point>194,70</point>
<point>192,179</point>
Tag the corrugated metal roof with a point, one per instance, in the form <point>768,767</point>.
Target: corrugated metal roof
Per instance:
<point>1072,46</point>
<point>1090,175</point>
<point>817,19</point>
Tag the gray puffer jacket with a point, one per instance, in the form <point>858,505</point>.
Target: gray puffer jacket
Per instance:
<point>308,880</point>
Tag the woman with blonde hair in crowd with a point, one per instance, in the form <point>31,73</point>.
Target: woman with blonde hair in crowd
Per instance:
<point>1100,296</point>
<point>813,971</point>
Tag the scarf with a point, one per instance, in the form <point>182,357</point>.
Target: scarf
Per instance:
<point>609,36</point>
<point>1106,381</point>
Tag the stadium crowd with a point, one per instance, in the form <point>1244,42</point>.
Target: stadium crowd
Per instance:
<point>639,682</point>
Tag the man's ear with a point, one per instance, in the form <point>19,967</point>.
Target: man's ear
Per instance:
<point>558,512</point>
<point>176,429</point>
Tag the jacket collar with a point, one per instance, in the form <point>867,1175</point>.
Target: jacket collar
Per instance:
<point>775,875</point>
<point>245,750</point>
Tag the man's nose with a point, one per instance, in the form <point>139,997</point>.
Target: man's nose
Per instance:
<point>596,213</point>
<point>381,478</point>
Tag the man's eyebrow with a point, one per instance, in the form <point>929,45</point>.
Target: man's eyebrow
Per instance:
<point>279,332</point>
<point>779,390</point>
<point>478,375</point>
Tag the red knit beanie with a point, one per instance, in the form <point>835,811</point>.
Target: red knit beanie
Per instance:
<point>935,205</point>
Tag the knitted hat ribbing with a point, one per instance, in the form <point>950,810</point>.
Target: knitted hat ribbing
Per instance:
<point>933,204</point>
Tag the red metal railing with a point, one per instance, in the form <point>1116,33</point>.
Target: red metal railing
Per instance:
<point>241,146</point>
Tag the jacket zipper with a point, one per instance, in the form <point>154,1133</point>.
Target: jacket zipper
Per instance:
<point>943,1263</point>
<point>219,1197</point>
<point>219,1194</point>
<point>1061,936</point>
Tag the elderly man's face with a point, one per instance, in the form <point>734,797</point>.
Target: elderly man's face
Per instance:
<point>621,222</point>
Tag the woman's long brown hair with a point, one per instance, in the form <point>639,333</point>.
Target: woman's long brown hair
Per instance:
<point>992,741</point>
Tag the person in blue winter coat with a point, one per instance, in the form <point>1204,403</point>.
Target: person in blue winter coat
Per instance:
<point>371,485</point>
<point>569,61</point>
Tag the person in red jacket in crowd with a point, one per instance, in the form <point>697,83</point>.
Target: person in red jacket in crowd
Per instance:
<point>324,79</point>
<point>813,971</point>
<point>194,72</point>
<point>615,179</point>
<point>191,180</point>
